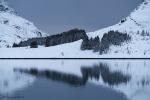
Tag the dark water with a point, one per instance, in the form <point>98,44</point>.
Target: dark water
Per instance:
<point>44,89</point>
<point>72,80</point>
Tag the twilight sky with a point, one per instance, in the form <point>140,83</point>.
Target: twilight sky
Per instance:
<point>54,16</point>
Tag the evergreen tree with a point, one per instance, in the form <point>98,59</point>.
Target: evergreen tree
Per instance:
<point>34,44</point>
<point>15,45</point>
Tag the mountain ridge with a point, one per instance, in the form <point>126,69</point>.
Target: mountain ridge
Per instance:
<point>15,28</point>
<point>136,26</point>
<point>132,22</point>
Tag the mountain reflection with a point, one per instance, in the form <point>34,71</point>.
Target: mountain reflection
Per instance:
<point>109,77</point>
<point>130,77</point>
<point>88,72</point>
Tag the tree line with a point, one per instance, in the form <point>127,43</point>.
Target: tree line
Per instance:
<point>65,37</point>
<point>108,39</point>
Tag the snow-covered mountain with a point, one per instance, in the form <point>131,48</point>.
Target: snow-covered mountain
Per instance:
<point>136,25</point>
<point>138,20</point>
<point>14,28</point>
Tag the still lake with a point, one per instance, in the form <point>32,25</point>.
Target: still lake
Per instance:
<point>74,79</point>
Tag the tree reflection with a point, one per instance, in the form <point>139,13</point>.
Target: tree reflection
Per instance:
<point>88,72</point>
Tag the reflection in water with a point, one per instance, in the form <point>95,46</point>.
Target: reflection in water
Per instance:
<point>93,72</point>
<point>10,81</point>
<point>56,76</point>
<point>131,77</point>
<point>109,77</point>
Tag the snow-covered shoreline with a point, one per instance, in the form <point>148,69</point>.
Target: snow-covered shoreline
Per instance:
<point>69,50</point>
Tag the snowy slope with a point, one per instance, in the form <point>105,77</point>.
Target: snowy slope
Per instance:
<point>138,47</point>
<point>137,21</point>
<point>68,50</point>
<point>14,28</point>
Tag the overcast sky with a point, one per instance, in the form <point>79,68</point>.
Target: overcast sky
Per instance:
<point>54,16</point>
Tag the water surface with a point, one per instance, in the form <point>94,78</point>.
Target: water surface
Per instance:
<point>74,79</point>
